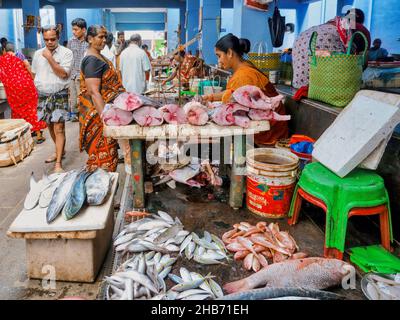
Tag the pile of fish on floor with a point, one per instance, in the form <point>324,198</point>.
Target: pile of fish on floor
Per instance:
<point>142,276</point>
<point>382,287</point>
<point>68,192</point>
<point>248,103</point>
<point>196,173</point>
<point>255,244</point>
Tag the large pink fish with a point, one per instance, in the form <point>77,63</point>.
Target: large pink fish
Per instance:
<point>253,97</point>
<point>224,115</point>
<point>173,114</point>
<point>128,101</point>
<point>310,273</point>
<point>196,113</point>
<point>117,117</point>
<point>148,117</point>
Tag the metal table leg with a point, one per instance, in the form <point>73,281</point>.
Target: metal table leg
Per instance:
<point>238,172</point>
<point>137,172</point>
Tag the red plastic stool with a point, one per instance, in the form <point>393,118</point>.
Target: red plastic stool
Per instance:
<point>333,252</point>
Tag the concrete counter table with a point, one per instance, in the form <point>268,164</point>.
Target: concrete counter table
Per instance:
<point>71,250</point>
<point>137,135</point>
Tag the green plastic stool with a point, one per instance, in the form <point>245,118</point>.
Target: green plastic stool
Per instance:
<point>362,192</point>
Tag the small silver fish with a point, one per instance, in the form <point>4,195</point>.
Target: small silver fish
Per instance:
<point>175,278</point>
<point>185,243</point>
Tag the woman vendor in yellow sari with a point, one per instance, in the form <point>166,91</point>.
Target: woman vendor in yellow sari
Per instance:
<point>229,50</point>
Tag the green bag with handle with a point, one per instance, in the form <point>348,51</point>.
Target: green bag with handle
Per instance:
<point>335,79</point>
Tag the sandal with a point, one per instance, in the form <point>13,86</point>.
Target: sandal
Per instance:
<point>58,168</point>
<point>40,141</point>
<point>53,158</point>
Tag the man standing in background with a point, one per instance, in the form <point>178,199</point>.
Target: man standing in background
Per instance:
<point>109,49</point>
<point>120,46</point>
<point>78,46</point>
<point>51,67</point>
<point>134,65</point>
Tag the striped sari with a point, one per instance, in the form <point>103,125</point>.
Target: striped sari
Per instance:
<point>102,151</point>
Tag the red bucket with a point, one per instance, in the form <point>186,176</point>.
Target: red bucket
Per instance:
<point>271,179</point>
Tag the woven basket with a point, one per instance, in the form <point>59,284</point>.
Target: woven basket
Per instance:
<point>264,61</point>
<point>16,141</point>
<point>335,79</point>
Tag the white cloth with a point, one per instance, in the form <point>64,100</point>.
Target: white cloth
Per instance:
<point>133,65</point>
<point>46,81</point>
<point>109,53</point>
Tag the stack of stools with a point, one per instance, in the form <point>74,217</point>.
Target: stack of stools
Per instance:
<point>360,193</point>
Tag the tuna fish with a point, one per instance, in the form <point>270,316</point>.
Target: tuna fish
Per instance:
<point>117,117</point>
<point>258,115</point>
<point>173,114</point>
<point>60,196</point>
<point>196,113</point>
<point>310,273</point>
<point>253,97</point>
<point>224,115</point>
<point>77,196</point>
<point>97,187</point>
<point>148,116</point>
<point>128,102</point>
<point>32,198</point>
<point>47,194</point>
<point>186,174</point>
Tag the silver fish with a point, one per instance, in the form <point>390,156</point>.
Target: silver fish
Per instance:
<point>168,234</point>
<point>216,289</point>
<point>219,242</point>
<point>150,255</point>
<point>202,260</point>
<point>202,296</point>
<point>185,243</point>
<point>166,217</point>
<point>47,194</point>
<point>190,250</point>
<point>185,274</point>
<point>207,237</point>
<point>60,196</point>
<point>165,272</point>
<point>191,292</point>
<point>203,243</point>
<point>125,238</point>
<point>153,224</point>
<point>175,278</point>
<point>187,285</point>
<point>77,196</point>
<point>32,198</point>
<point>205,285</point>
<point>97,187</point>
<point>140,278</point>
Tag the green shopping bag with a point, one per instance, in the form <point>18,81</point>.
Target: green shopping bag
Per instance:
<point>336,79</point>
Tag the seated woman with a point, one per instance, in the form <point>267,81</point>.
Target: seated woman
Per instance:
<point>189,68</point>
<point>100,85</point>
<point>229,50</point>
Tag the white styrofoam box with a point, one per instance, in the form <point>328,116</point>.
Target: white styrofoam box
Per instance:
<point>360,133</point>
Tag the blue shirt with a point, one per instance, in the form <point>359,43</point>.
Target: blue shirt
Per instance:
<point>374,55</point>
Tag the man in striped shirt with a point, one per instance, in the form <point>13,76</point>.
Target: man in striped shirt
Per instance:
<point>78,45</point>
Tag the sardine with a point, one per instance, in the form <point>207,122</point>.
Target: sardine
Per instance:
<point>202,260</point>
<point>175,278</point>
<point>185,274</point>
<point>47,194</point>
<point>98,186</point>
<point>77,196</point>
<point>166,217</point>
<point>191,292</point>
<point>140,278</point>
<point>165,272</point>
<point>168,234</point>
<point>185,243</point>
<point>187,285</point>
<point>203,243</point>
<point>60,196</point>
<point>202,296</point>
<point>216,289</point>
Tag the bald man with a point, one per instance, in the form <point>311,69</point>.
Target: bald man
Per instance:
<point>134,65</point>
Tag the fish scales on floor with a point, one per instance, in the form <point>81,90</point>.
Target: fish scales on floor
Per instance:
<point>68,192</point>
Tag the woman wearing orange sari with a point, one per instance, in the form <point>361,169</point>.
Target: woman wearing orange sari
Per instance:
<point>229,50</point>
<point>100,85</point>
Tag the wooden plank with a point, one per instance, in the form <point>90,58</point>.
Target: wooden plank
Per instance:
<point>137,172</point>
<point>238,172</point>
<point>81,235</point>
<point>181,132</point>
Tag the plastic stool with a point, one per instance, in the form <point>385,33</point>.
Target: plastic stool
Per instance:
<point>362,192</point>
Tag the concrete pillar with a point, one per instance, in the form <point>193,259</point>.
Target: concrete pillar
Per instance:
<point>30,7</point>
<point>192,27</point>
<point>211,23</point>
<point>258,20</point>
<point>107,19</point>
<point>61,17</point>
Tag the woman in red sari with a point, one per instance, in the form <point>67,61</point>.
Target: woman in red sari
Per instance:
<point>20,90</point>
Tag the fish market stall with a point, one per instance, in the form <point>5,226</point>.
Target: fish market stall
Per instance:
<point>72,245</point>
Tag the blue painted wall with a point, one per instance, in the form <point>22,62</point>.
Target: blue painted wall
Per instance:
<point>7,24</point>
<point>227,21</point>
